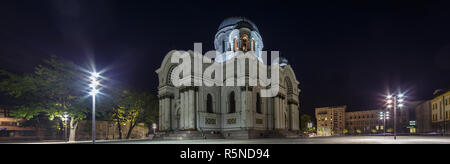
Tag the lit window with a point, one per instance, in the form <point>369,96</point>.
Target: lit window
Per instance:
<point>236,45</point>
<point>245,43</point>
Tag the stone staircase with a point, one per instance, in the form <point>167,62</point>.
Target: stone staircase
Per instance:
<point>187,135</point>
<point>285,134</point>
<point>196,135</point>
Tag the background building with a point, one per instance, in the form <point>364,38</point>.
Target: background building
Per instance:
<point>423,117</point>
<point>365,122</point>
<point>440,111</point>
<point>407,117</point>
<point>11,128</point>
<point>330,120</point>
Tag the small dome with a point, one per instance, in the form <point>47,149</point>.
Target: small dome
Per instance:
<point>283,61</point>
<point>238,21</point>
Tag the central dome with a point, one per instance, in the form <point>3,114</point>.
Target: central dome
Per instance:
<point>238,21</point>
<point>237,34</point>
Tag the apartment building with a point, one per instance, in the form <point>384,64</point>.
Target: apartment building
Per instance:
<point>330,120</point>
<point>440,111</point>
<point>368,121</point>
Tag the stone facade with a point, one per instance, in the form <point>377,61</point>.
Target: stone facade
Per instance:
<point>233,111</point>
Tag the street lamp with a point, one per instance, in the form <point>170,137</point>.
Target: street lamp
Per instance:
<point>65,117</point>
<point>396,102</point>
<point>93,85</point>
<point>384,116</point>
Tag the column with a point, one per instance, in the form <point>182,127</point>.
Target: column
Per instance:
<point>291,116</point>
<point>250,110</point>
<point>269,112</point>
<point>283,110</point>
<point>196,122</point>
<point>181,111</point>
<point>296,117</point>
<point>161,115</point>
<point>242,108</point>
<point>277,112</point>
<point>281,114</point>
<point>186,110</point>
<point>191,109</point>
<point>167,113</point>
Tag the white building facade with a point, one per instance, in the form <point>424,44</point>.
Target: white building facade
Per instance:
<point>231,111</point>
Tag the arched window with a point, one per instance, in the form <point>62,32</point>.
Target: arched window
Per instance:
<point>169,76</point>
<point>245,43</point>
<point>236,45</point>
<point>253,45</point>
<point>232,103</point>
<point>224,46</point>
<point>258,103</point>
<point>209,104</point>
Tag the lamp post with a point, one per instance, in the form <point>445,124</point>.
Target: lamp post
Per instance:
<point>94,83</point>
<point>396,102</point>
<point>384,116</point>
<point>65,117</point>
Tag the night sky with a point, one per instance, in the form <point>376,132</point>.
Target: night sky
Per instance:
<point>343,53</point>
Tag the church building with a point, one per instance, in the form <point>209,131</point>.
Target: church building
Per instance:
<point>228,111</point>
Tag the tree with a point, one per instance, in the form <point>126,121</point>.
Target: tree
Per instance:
<point>53,89</point>
<point>23,89</point>
<point>133,108</point>
<point>373,130</point>
<point>390,130</point>
<point>304,120</point>
<point>120,118</point>
<point>345,131</point>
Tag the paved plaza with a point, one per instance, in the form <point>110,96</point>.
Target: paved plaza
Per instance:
<point>311,140</point>
<point>314,140</point>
